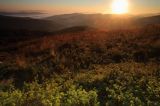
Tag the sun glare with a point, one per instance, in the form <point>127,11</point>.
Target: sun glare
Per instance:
<point>120,6</point>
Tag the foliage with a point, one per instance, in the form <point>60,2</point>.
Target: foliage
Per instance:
<point>84,68</point>
<point>123,84</point>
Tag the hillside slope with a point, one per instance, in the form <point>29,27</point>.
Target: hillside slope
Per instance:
<point>104,21</point>
<point>17,23</point>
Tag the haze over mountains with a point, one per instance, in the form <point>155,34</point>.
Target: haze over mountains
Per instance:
<point>58,22</point>
<point>31,14</point>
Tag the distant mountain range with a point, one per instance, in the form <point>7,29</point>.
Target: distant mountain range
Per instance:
<point>104,21</point>
<point>59,22</point>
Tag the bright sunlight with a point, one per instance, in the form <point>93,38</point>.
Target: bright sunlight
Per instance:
<point>120,6</point>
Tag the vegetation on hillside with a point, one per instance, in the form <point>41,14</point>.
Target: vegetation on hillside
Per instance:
<point>85,68</point>
<point>124,84</point>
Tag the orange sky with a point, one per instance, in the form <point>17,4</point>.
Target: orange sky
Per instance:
<point>73,6</point>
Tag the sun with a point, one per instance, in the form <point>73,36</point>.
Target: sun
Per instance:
<point>120,6</point>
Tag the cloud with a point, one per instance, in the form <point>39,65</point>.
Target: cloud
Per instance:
<point>22,13</point>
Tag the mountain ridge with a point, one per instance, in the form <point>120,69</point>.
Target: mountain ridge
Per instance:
<point>60,22</point>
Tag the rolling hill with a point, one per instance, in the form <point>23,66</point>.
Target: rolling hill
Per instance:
<point>19,23</point>
<point>104,21</point>
<point>59,22</point>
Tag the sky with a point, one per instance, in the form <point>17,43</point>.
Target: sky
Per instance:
<point>78,6</point>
